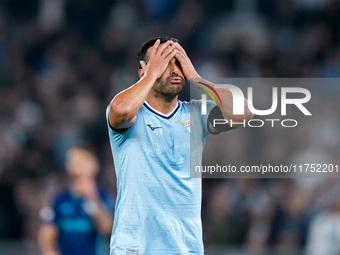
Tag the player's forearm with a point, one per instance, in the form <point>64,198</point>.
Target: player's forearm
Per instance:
<point>127,103</point>
<point>103,222</point>
<point>102,218</point>
<point>47,237</point>
<point>226,99</point>
<point>227,107</point>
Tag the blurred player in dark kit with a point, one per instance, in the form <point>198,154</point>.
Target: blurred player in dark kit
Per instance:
<point>80,218</point>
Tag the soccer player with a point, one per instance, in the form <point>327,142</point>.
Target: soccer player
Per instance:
<point>81,216</point>
<point>158,206</point>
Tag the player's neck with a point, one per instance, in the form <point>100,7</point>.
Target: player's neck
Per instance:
<point>161,105</point>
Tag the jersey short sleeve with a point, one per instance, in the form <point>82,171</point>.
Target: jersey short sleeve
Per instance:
<point>196,110</point>
<point>48,214</point>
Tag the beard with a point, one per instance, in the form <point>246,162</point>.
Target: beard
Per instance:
<point>167,90</point>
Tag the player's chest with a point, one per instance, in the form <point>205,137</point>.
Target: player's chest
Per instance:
<point>172,131</point>
<point>73,216</point>
<point>157,136</point>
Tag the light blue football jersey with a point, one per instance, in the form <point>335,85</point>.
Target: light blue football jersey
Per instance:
<point>158,205</point>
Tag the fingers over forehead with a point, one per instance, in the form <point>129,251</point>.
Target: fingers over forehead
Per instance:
<point>157,42</point>
<point>179,47</point>
<point>171,55</point>
<point>180,53</point>
<point>164,45</point>
<point>157,48</point>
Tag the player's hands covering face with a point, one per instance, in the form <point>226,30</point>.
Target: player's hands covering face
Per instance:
<point>160,55</point>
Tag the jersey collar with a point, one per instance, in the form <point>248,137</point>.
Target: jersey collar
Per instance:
<point>165,116</point>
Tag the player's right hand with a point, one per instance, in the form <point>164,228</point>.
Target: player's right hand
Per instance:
<point>160,56</point>
<point>86,187</point>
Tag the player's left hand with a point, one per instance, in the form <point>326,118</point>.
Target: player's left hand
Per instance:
<point>188,69</point>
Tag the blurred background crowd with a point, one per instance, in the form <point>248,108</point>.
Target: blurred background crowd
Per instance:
<point>62,61</point>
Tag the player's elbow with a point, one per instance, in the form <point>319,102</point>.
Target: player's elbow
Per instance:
<point>120,110</point>
<point>248,115</point>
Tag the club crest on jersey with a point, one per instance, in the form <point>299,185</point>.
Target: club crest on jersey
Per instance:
<point>186,125</point>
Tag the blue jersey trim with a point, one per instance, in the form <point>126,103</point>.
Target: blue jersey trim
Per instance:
<point>164,117</point>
